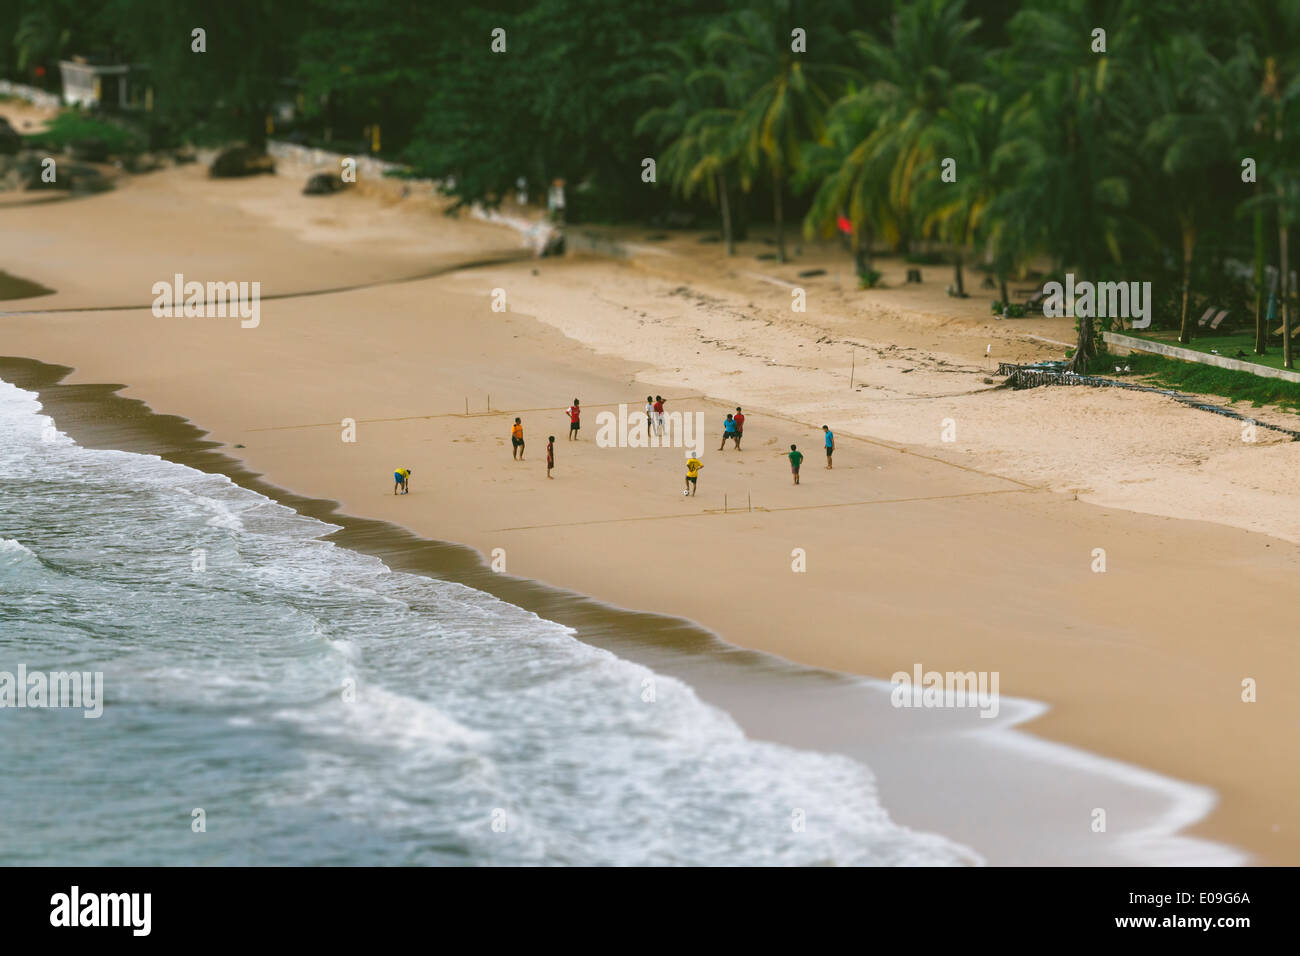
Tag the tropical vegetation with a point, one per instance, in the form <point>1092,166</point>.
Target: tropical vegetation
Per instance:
<point>1118,140</point>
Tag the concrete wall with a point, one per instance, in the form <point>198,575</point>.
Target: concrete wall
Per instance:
<point>299,162</point>
<point>1191,355</point>
<point>322,159</point>
<point>30,93</point>
<point>537,233</point>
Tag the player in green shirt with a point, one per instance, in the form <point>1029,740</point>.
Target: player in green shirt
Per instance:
<point>796,459</point>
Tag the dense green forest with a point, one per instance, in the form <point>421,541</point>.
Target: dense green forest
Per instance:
<point>1117,139</point>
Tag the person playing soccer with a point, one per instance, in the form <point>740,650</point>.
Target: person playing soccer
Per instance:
<point>693,466</point>
<point>728,432</point>
<point>574,411</point>
<point>739,419</point>
<point>550,456</point>
<point>796,459</point>
<point>517,441</point>
<point>830,444</point>
<point>401,479</point>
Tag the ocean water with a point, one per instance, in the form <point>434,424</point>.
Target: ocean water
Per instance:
<point>475,733</point>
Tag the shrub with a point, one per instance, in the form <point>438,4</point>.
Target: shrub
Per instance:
<point>74,131</point>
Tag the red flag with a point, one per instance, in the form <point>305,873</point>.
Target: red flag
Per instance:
<point>844,225</point>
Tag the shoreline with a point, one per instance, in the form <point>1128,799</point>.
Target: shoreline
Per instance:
<point>769,697</point>
<point>916,552</point>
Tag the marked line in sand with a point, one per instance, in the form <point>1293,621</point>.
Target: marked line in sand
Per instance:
<point>436,273</point>
<point>765,510</point>
<point>1040,338</point>
<point>493,413</point>
<point>773,280</point>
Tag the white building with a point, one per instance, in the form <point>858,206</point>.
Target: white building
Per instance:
<point>92,85</point>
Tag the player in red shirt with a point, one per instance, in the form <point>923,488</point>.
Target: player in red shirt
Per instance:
<point>739,419</point>
<point>573,412</point>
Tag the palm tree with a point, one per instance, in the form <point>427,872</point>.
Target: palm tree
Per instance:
<point>1275,33</point>
<point>708,162</point>
<point>928,60</point>
<point>782,101</point>
<point>972,133</point>
<point>1073,189</point>
<point>39,36</point>
<point>1284,99</point>
<point>850,173</point>
<point>1181,96</point>
<point>698,126</point>
<point>1244,71</point>
<point>1011,227</point>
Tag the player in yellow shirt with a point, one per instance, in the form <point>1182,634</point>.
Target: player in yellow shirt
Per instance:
<point>401,478</point>
<point>693,466</point>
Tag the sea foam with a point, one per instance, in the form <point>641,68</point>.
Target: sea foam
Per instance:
<point>319,708</point>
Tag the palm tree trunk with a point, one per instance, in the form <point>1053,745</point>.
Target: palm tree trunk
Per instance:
<point>1084,350</point>
<point>780,222</point>
<point>1261,332</point>
<point>1284,292</point>
<point>862,251</point>
<point>961,245</point>
<point>257,127</point>
<point>1189,245</point>
<point>725,203</point>
<point>1002,288</point>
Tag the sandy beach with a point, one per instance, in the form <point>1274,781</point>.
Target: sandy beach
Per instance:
<point>971,554</point>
